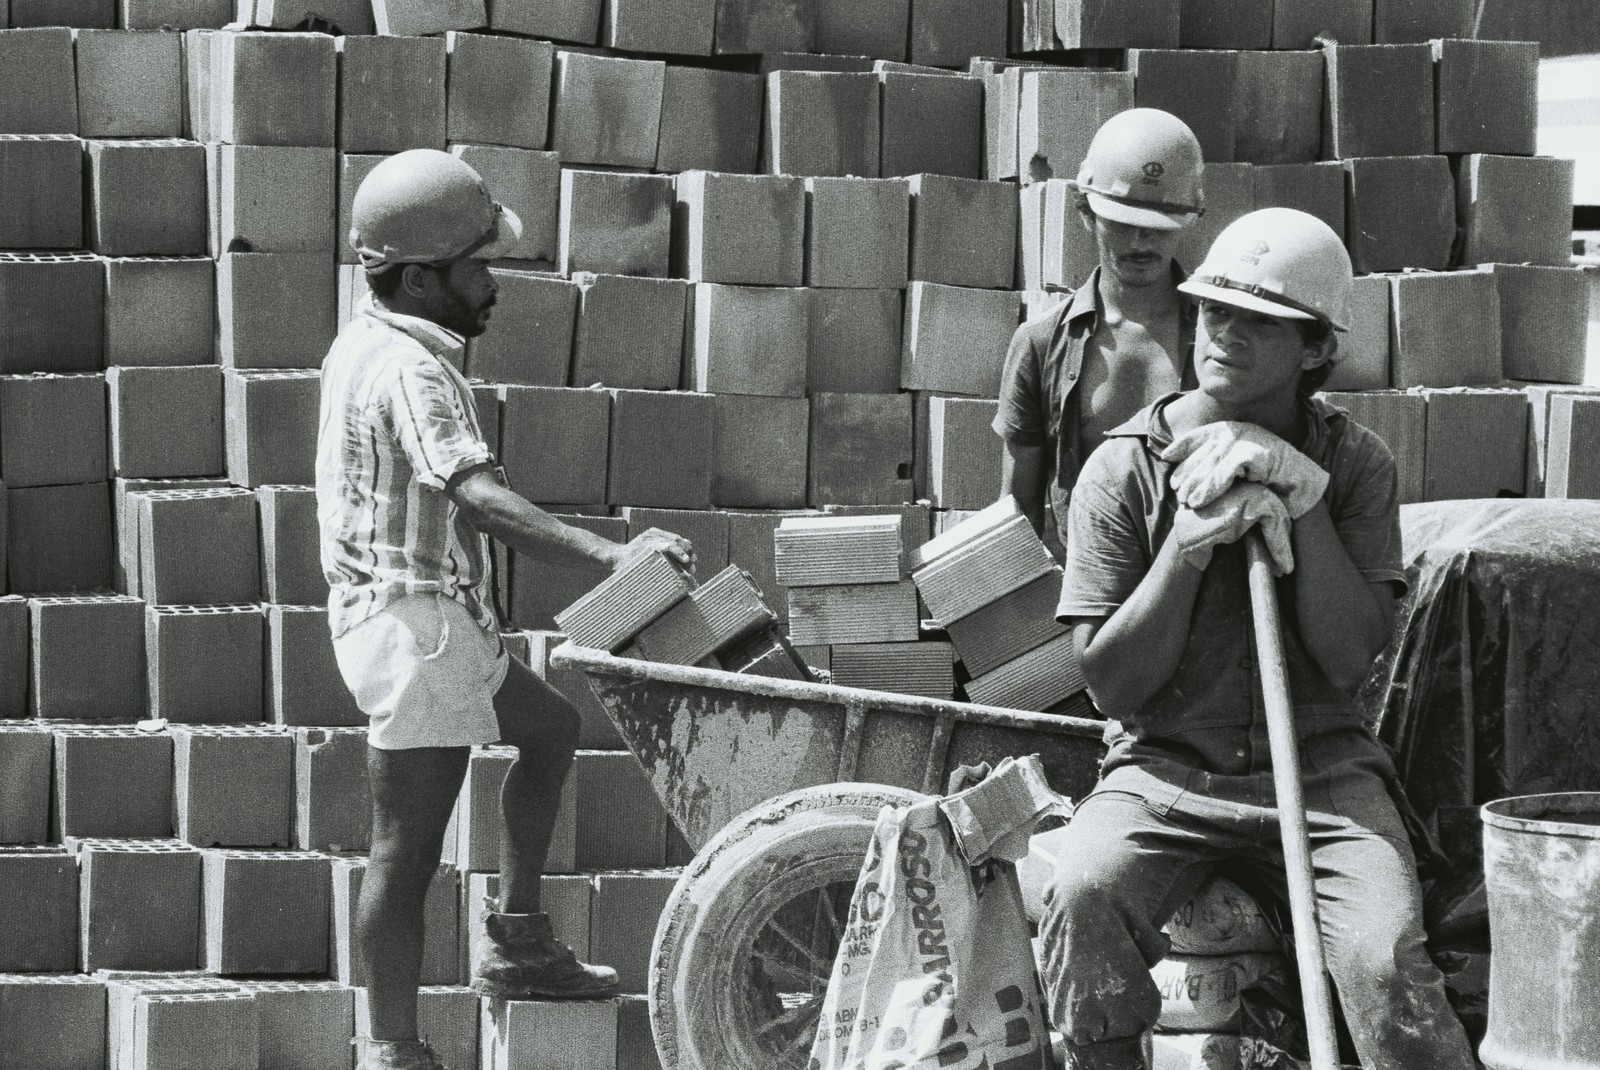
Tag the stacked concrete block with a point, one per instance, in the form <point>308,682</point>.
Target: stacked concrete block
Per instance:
<point>595,730</point>
<point>447,1015</point>
<point>125,518</point>
<point>41,885</point>
<point>1230,191</point>
<point>303,684</point>
<point>719,616</point>
<point>857,233</point>
<point>1056,250</point>
<point>855,341</point>
<point>392,94</point>
<point>270,426</point>
<point>414,18</point>
<point>642,588</point>
<point>660,449</point>
<point>52,312</point>
<point>203,663</point>
<point>1515,209</point>
<point>1298,23</point>
<point>139,904</point>
<point>1278,107</point>
<point>165,421</point>
<point>931,123</point>
<point>1379,100</point>
<point>1314,188</point>
<point>750,547</point>
<point>946,33</point>
<point>683,29</point>
<point>742,229</point>
<point>123,991</point>
<point>620,821</point>
<point>1487,96</point>
<point>349,16</point>
<point>87,654</point>
<point>332,802</point>
<point>855,613</point>
<point>353,170</point>
<point>1401,420</point>
<point>1058,114</point>
<point>520,1033</point>
<point>629,332</point>
<point>25,748</point>
<point>196,1031</point>
<point>273,89</point>
<point>615,223</point>
<point>290,570</point>
<point>963,232</point>
<point>636,1045</point>
<point>1010,626</point>
<point>863,27</point>
<point>553,442</point>
<point>606,110</point>
<point>129,84</point>
<point>1476,442</point>
<point>499,90</point>
<point>748,26</point>
<point>1543,322</point>
<point>254,293</point>
<point>113,782</point>
<point>302,1023</point>
<point>1400,212</point>
<point>14,653</point>
<point>539,590</point>
<point>38,88</point>
<point>174,14</point>
<point>710,121</point>
<point>962,451</point>
<point>159,311</point>
<point>624,913</point>
<point>1572,442</point>
<point>42,178</point>
<point>529,341</point>
<point>916,524</point>
<point>1002,95</point>
<point>197,547</point>
<point>706,530</point>
<point>1444,329</point>
<point>440,965</point>
<point>58,538</point>
<point>52,429</point>
<point>1198,87</point>
<point>991,555</point>
<point>265,912</point>
<point>860,448</point>
<point>479,821</point>
<point>824,551</point>
<point>271,199</point>
<point>926,669</point>
<point>232,786</point>
<point>759,449</point>
<point>955,338</point>
<point>822,124</point>
<point>1041,679</point>
<point>528,183</point>
<point>1364,354</point>
<point>748,340</point>
<point>1401,21</point>
<point>52,1021</point>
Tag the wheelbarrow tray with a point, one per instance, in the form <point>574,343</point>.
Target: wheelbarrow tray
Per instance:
<point>716,743</point>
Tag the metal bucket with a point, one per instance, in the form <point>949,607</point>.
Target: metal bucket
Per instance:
<point>1541,858</point>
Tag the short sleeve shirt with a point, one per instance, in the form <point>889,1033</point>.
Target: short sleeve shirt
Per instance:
<point>1210,712</point>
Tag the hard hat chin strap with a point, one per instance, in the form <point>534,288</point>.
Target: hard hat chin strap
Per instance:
<point>1222,282</point>
<point>1134,202</point>
<point>374,262</point>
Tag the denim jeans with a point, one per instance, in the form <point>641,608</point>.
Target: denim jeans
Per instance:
<point>1144,841</point>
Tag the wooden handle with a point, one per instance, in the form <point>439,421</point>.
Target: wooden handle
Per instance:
<point>1314,988</point>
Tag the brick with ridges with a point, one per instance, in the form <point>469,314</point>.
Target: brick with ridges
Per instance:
<point>707,530</point>
<point>1010,626</point>
<point>857,613</point>
<point>720,612</point>
<point>1036,681</point>
<point>821,551</point>
<point>640,590</point>
<point>540,590</point>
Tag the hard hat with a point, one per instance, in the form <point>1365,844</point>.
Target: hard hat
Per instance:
<point>424,206</point>
<point>1144,169</point>
<point>1279,261</point>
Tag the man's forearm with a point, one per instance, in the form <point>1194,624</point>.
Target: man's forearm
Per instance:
<point>1342,625</point>
<point>1022,475</point>
<point>510,518</point>
<point>1137,650</point>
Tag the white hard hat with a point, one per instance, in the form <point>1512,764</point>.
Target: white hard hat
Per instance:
<point>1279,261</point>
<point>1143,168</point>
<point>424,206</point>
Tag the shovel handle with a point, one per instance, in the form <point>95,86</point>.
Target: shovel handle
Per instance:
<point>1314,989</point>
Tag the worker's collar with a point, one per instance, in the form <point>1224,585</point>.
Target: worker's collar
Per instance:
<point>1086,298</point>
<point>442,342</point>
<point>1150,423</point>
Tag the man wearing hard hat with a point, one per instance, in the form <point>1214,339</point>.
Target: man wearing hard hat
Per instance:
<point>1125,336</point>
<point>1156,592</point>
<point>407,498</point>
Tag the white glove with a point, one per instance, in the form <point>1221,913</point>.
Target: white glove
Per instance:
<point>1212,457</point>
<point>1241,507</point>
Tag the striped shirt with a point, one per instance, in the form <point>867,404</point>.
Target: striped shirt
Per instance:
<point>397,422</point>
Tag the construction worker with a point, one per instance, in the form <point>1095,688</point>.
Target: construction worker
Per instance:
<point>1155,590</point>
<point>407,494</point>
<point>1124,337</point>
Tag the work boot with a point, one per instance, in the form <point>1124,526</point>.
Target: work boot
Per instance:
<point>522,959</point>
<point>396,1055</point>
<point>1129,1053</point>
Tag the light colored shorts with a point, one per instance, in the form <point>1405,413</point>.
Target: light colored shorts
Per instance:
<point>425,674</point>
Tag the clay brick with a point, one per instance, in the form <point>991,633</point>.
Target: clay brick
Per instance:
<point>253,292</point>
<point>1543,322</point>
<point>554,442</point>
<point>747,229</point>
<point>861,449</point>
<point>233,786</point>
<point>38,82</point>
<point>1515,209</point>
<point>528,1033</point>
<point>14,652</point>
<point>540,590</point>
<point>87,658</point>
<point>1445,329</point>
<point>125,520</point>
<point>1198,87</point>
<point>606,110</point>
<point>624,913</point>
<point>52,429</point>
<point>1573,443</point>
<point>946,33</point>
<point>955,338</point>
<point>418,18</point>
<point>875,28</point>
<point>1316,188</point>
<point>931,124</point>
<point>39,884</point>
<point>272,199</point>
<point>332,803</point>
<point>1407,21</point>
<point>204,663</point>
<point>1278,107</point>
<point>1244,24</point>
<point>1400,419</point>
<point>1399,213</point>
<point>615,223</point>
<point>660,449</point>
<point>41,183</point>
<point>1230,193</point>
<point>129,83</point>
<point>159,311</point>
<point>822,124</point>
<point>165,422</point>
<point>560,20</point>
<point>440,939</point>
<point>1297,23</point>
<point>747,26</point>
<point>1379,101</point>
<point>1364,349</point>
<point>629,332</point>
<point>1042,679</point>
<point>857,232</point>
<point>58,538</point>
<point>196,1031</point>
<point>1059,113</point>
<point>759,448</point>
<point>303,1023</point>
<point>391,93</point>
<point>499,90</point>
<point>265,912</point>
<point>710,120</point>
<point>1476,442</point>
<point>1487,96</point>
<point>174,14</point>
<point>529,184</point>
<point>677,27</point>
<point>596,732</point>
<point>273,88</point>
<point>747,340</point>
<point>303,682</point>
<point>52,1021</point>
<point>529,341</point>
<point>198,547</point>
<point>963,452</point>
<point>291,572</point>
<point>855,341</point>
<point>139,905</point>
<point>963,231</point>
<point>271,429</point>
<point>52,312</point>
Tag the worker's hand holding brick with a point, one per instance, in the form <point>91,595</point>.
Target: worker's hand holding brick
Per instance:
<point>676,547</point>
<point>1242,506</point>
<point>1212,457</point>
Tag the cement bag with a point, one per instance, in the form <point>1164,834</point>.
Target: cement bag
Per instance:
<point>934,971</point>
<point>1200,993</point>
<point>1222,919</point>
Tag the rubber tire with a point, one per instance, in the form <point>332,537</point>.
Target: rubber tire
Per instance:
<point>761,860</point>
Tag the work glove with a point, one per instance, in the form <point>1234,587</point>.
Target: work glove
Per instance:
<point>1212,457</point>
<point>1241,507</point>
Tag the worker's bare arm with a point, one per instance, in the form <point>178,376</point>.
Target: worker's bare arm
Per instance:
<point>1344,619</point>
<point>1022,475</point>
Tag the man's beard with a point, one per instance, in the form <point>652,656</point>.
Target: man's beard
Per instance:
<point>463,317</point>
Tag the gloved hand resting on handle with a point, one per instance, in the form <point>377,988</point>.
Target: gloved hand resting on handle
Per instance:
<point>1212,457</point>
<point>1241,507</point>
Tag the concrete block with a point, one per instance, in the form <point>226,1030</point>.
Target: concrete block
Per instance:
<point>418,18</point>
<point>606,110</point>
<point>1487,96</point>
<point>1109,24</point>
<point>1199,87</point>
<point>860,449</point>
<point>750,546</point>
<point>1059,112</point>
<point>1230,193</point>
<point>195,1030</point>
<point>447,1015</point>
<point>499,90</point>
<point>52,1021</point>
<point>291,573</point>
<point>577,21</point>
<point>1515,209</point>
<point>946,33</point>
<point>857,232</point>
<point>123,991</point>
<point>855,341</point>
<point>925,668</point>
<point>1379,101</point>
<point>615,223</point>
<point>332,802</point>
<point>303,1023</point>
<point>58,538</point>
<point>52,429</point>
<point>197,106</point>
<point>963,232</point>
<point>520,1033</point>
<point>955,338</point>
<point>676,28</point>
<point>270,433</point>
<point>1298,23</point>
<point>746,26</point>
<point>1244,24</point>
<point>540,590</point>
<point>624,913</point>
<point>1399,213</point>
<point>747,229</point>
<point>1316,188</point>
<point>772,476</point>
<point>1400,419</point>
<point>1067,252</point>
<point>529,341</point>
<point>303,682</point>
<point>67,684</point>
<point>1002,97</point>
<point>174,14</point>
<point>863,27</point>
<point>916,525</point>
<point>159,311</point>
<point>863,613</point>
<point>38,81</point>
<point>1476,442</point>
<point>660,449</point>
<point>1407,21</point>
<point>273,199</point>
<point>527,182</point>
<point>273,88</point>
<point>1041,679</point>
<point>165,422</point>
<point>41,183</point>
<point>963,452</point>
<point>392,93</point>
<point>198,547</point>
<point>440,938</point>
<point>554,442</point>
<point>478,819</point>
<point>641,589</point>
<point>265,912</point>
<point>1573,438</point>
<point>621,823</point>
<point>629,332</point>
<point>811,61</point>
<point>130,83</point>
<point>1444,329</point>
<point>1364,350</point>
<point>747,340</point>
<point>52,312</point>
<point>254,290</point>
<point>1278,107</point>
<point>710,120</point>
<point>39,884</point>
<point>1008,627</point>
<point>931,124</point>
<point>139,905</point>
<point>830,550</point>
<point>352,17</point>
<point>204,663</point>
<point>233,786</point>
<point>1543,322</point>
<point>822,124</point>
<point>125,521</point>
<point>24,748</point>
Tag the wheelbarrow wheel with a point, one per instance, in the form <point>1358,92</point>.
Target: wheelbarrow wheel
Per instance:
<point>745,947</point>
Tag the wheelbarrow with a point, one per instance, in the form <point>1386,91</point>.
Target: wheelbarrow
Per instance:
<point>777,784</point>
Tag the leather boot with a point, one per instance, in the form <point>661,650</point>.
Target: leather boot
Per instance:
<point>395,1055</point>
<point>521,958</point>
